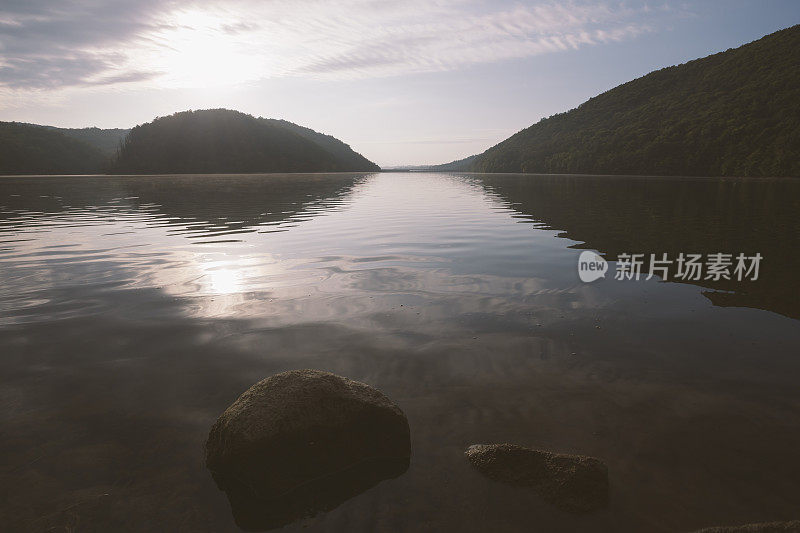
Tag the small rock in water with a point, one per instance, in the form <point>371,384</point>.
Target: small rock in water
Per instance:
<point>573,483</point>
<point>301,442</point>
<point>765,527</point>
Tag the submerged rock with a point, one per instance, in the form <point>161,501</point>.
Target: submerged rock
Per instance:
<point>573,483</point>
<point>764,527</point>
<point>301,442</point>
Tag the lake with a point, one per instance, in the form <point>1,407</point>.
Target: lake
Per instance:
<point>134,310</point>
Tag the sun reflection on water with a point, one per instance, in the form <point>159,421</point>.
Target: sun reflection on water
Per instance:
<point>222,279</point>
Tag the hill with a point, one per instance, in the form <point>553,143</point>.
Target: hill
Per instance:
<point>105,140</point>
<point>461,164</point>
<point>735,113</point>
<point>225,141</point>
<point>31,149</point>
<point>331,144</point>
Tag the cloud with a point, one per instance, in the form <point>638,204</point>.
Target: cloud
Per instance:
<point>56,44</point>
<point>53,44</point>
<point>392,38</point>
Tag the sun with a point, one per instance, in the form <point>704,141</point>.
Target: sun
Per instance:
<point>200,49</point>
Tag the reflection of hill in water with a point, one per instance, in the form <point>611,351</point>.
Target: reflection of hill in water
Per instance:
<point>655,215</point>
<point>220,204</point>
<point>201,204</point>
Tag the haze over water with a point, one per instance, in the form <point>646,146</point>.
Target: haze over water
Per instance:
<point>134,310</point>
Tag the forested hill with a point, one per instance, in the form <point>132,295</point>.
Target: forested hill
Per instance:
<point>209,141</point>
<point>331,144</point>
<point>735,113</point>
<point>225,141</point>
<point>105,140</point>
<point>31,149</point>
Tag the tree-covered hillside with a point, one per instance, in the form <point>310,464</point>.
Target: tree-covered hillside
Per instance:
<point>331,144</point>
<point>461,164</point>
<point>105,140</point>
<point>209,141</point>
<point>31,149</point>
<point>736,113</point>
<point>225,141</point>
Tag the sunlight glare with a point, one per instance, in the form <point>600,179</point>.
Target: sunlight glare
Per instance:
<point>220,280</point>
<point>199,49</point>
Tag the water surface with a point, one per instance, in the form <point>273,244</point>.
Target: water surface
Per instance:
<point>134,310</point>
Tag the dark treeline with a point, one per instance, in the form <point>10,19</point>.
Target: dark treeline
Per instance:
<point>190,142</point>
<point>225,141</point>
<point>350,159</point>
<point>105,140</point>
<point>31,149</point>
<point>736,113</point>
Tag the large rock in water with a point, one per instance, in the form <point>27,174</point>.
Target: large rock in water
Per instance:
<point>764,527</point>
<point>302,442</point>
<point>573,483</point>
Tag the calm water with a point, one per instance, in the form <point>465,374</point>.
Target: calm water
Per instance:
<point>134,310</point>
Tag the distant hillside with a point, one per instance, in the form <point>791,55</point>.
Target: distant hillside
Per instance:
<point>331,144</point>
<point>105,140</point>
<point>736,113</point>
<point>225,141</point>
<point>31,149</point>
<point>461,164</point>
<point>211,141</point>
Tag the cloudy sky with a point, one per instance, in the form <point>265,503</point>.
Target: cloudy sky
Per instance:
<point>402,81</point>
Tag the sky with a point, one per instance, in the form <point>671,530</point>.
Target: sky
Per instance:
<point>402,81</point>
